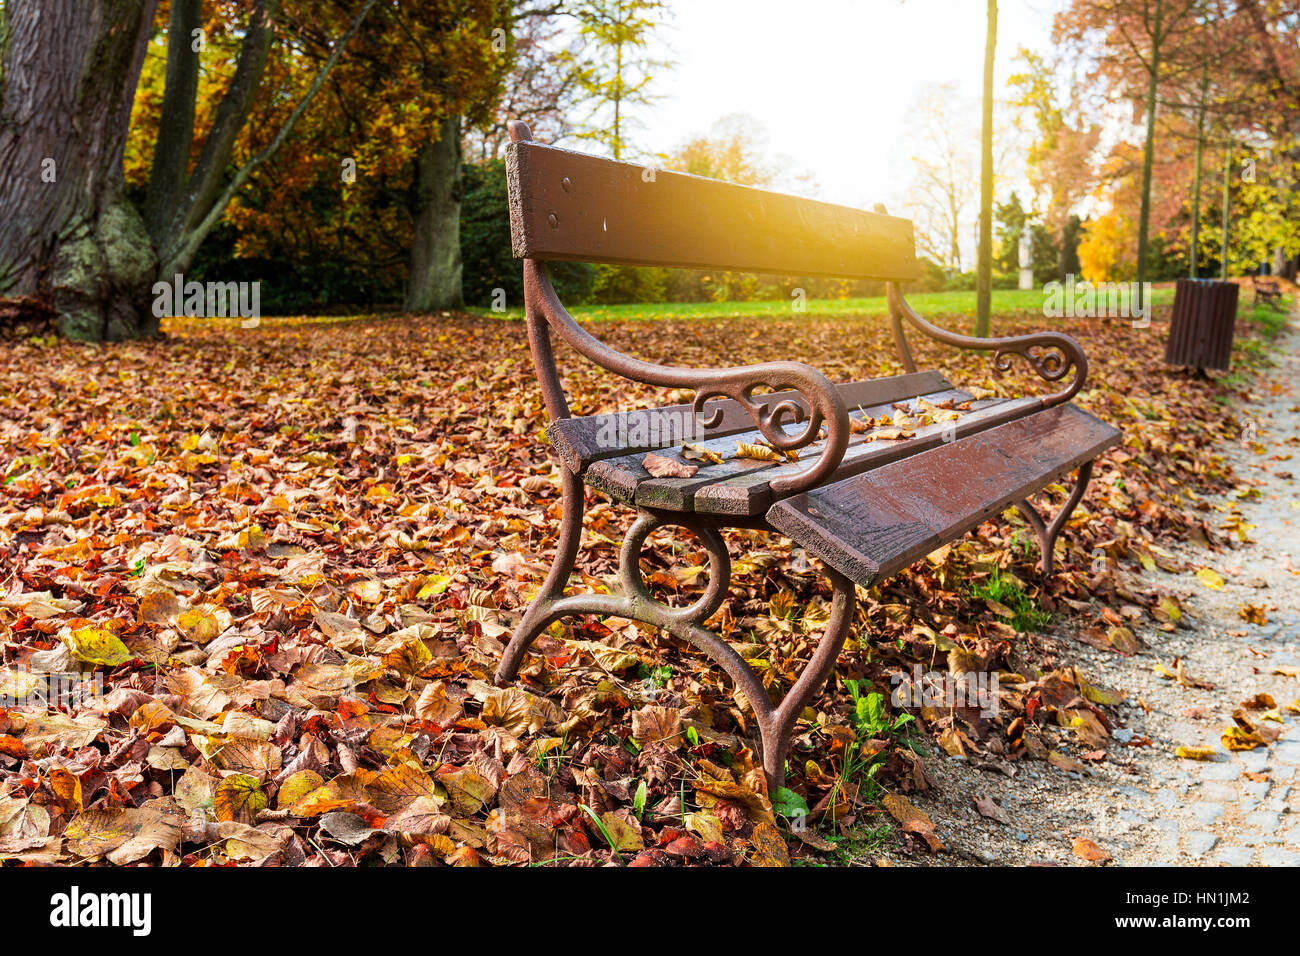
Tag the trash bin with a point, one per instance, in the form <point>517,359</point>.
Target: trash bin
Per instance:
<point>1200,330</point>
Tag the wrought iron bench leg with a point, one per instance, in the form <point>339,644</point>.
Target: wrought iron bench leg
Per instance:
<point>536,618</point>
<point>1047,534</point>
<point>775,723</point>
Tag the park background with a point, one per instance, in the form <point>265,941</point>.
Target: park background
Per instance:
<point>350,158</point>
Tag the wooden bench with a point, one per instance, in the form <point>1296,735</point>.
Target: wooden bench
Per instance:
<point>1269,290</point>
<point>865,505</point>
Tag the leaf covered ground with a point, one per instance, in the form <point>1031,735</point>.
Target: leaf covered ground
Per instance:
<point>289,558</point>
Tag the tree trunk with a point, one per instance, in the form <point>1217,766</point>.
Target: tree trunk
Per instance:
<point>171,154</point>
<point>984,261</point>
<point>435,272</point>
<point>68,70</point>
<point>1148,152</point>
<point>1226,220</point>
<point>1194,253</point>
<point>1280,262</point>
<point>212,169</point>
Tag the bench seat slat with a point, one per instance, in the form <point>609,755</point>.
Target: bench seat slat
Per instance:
<point>876,523</point>
<point>591,438</point>
<point>752,494</point>
<point>626,479</point>
<point>741,486</point>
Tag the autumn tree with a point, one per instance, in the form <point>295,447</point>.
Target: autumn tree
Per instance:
<point>69,74</point>
<point>616,68</point>
<point>1060,157</point>
<point>371,182</point>
<point>541,87</point>
<point>943,169</point>
<point>1270,63</point>
<point>1124,39</point>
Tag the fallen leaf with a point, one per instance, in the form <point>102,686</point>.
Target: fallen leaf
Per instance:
<point>987,808</point>
<point>1086,849</point>
<point>662,467</point>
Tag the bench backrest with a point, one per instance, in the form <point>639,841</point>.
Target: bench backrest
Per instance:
<point>569,205</point>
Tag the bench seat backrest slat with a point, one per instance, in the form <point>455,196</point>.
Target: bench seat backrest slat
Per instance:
<point>573,206</point>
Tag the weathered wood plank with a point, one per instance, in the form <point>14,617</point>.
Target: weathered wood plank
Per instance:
<point>625,477</point>
<point>742,495</point>
<point>568,205</point>
<point>742,487</point>
<point>581,441</point>
<point>873,524</point>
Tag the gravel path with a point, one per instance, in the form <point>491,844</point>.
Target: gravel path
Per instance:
<point>1143,805</point>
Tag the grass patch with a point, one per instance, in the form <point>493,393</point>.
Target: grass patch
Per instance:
<point>1005,301</point>
<point>1271,320</point>
<point>1026,615</point>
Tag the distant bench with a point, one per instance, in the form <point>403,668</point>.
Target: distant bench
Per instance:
<point>1268,290</point>
<point>866,497</point>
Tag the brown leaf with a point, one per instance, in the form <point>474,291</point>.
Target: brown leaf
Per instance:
<point>651,724</point>
<point>987,808</point>
<point>912,819</point>
<point>661,467</point>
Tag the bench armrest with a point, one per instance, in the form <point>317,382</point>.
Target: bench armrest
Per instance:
<point>824,405</point>
<point>1053,355</point>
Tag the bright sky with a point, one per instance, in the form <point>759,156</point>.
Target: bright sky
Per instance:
<point>831,80</point>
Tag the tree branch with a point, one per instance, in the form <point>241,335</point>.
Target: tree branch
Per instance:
<point>181,252</point>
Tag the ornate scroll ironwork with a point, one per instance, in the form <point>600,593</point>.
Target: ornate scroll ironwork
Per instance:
<point>824,405</point>
<point>635,602</point>
<point>1048,533</point>
<point>1052,355</point>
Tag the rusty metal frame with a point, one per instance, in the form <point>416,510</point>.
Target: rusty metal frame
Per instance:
<point>634,601</point>
<point>1052,355</point>
<point>544,314</point>
<point>1048,533</point>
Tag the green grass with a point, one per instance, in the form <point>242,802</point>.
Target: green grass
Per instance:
<point>1271,320</point>
<point>1005,301</point>
<point>1026,615</point>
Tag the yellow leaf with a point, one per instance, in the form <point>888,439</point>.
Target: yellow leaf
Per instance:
<point>769,848</point>
<point>341,793</point>
<point>620,834</point>
<point>66,785</point>
<point>1253,614</point>
<point>436,584</point>
<point>96,832</point>
<point>1210,579</point>
<point>1235,738</point>
<point>198,626</point>
<point>97,645</point>
<point>700,453</point>
<point>756,452</point>
<point>239,797</point>
<point>1196,753</point>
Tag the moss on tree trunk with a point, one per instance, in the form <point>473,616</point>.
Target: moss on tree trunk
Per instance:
<point>69,237</point>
